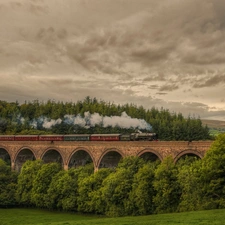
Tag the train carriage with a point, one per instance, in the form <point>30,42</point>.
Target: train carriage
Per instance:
<point>7,137</point>
<point>82,137</point>
<point>50,137</point>
<point>105,137</point>
<point>77,137</point>
<point>125,137</point>
<point>26,138</point>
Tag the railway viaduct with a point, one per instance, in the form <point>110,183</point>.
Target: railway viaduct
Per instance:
<point>102,154</point>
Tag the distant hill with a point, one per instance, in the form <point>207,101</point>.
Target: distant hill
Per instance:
<point>216,124</point>
<point>216,127</point>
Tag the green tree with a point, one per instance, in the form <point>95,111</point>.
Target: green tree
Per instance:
<point>8,184</point>
<point>26,179</point>
<point>3,125</point>
<point>141,196</point>
<point>167,187</point>
<point>62,192</point>
<point>118,185</point>
<point>213,171</point>
<point>168,126</point>
<point>89,200</point>
<point>41,183</point>
<point>190,181</point>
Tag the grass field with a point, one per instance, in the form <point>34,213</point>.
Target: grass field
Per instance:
<point>38,217</point>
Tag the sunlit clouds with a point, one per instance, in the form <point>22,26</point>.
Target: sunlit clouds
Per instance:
<point>153,53</point>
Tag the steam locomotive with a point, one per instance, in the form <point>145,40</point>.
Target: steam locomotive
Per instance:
<point>82,137</point>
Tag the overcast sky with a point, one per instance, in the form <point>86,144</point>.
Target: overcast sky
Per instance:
<point>167,53</point>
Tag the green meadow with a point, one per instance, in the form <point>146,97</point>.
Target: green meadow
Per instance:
<point>44,217</point>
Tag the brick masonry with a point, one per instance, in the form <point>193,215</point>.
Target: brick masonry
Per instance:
<point>97,150</point>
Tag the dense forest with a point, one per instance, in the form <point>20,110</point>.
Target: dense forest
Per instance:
<point>68,118</point>
<point>135,187</point>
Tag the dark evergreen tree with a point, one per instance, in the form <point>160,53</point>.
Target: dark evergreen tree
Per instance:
<point>8,185</point>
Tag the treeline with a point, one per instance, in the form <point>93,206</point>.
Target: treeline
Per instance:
<point>18,118</point>
<point>135,187</point>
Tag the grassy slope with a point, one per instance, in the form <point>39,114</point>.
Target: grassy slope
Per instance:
<point>215,126</point>
<point>34,216</point>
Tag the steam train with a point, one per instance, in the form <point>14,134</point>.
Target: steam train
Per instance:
<point>82,137</point>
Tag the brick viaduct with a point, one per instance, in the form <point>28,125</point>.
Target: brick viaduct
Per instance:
<point>102,154</point>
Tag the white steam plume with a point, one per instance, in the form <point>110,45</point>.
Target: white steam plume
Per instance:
<point>49,123</point>
<point>91,120</point>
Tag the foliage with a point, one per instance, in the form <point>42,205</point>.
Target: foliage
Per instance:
<point>27,118</point>
<point>118,185</point>
<point>26,179</point>
<point>135,187</point>
<point>62,192</point>
<point>167,187</point>
<point>89,200</point>
<point>189,178</point>
<point>8,184</point>
<point>213,174</point>
<point>41,182</point>
<point>141,196</point>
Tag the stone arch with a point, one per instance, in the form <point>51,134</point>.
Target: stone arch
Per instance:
<point>187,152</point>
<point>80,157</point>
<point>149,154</point>
<point>110,158</point>
<point>52,155</point>
<point>5,156</point>
<point>24,154</point>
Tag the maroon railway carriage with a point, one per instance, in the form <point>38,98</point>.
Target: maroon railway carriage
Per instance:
<point>105,137</point>
<point>51,138</point>
<point>7,137</point>
<point>26,138</point>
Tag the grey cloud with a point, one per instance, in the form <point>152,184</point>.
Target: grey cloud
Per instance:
<point>169,87</point>
<point>204,58</point>
<point>35,7</point>
<point>209,82</point>
<point>46,34</point>
<point>149,55</point>
<point>154,86</point>
<point>152,44</point>
<point>161,93</point>
<point>58,82</point>
<point>159,76</point>
<point>128,50</point>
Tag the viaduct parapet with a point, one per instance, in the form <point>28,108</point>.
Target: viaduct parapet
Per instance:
<point>102,154</point>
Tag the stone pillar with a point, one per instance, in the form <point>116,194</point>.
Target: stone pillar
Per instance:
<point>96,169</point>
<point>65,167</point>
<point>13,165</point>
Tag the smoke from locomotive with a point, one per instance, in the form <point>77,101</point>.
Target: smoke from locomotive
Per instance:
<point>91,120</point>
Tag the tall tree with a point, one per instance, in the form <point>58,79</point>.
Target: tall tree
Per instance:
<point>167,188</point>
<point>89,200</point>
<point>41,183</point>
<point>213,174</point>
<point>62,192</point>
<point>190,181</point>
<point>141,196</point>
<point>26,179</point>
<point>117,186</point>
<point>8,184</point>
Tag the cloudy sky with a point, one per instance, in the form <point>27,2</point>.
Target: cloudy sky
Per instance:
<point>167,53</point>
